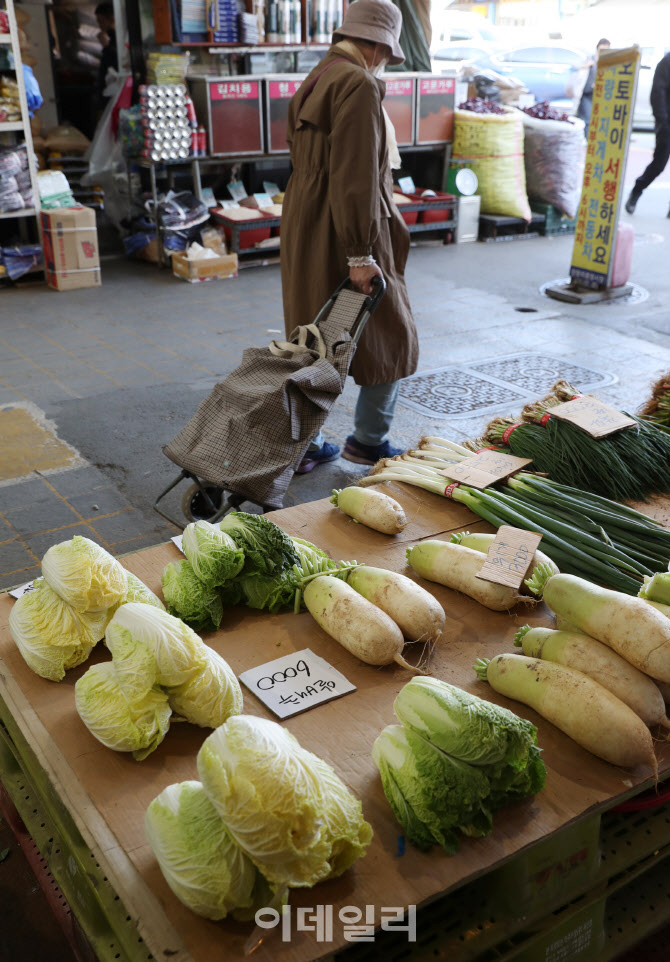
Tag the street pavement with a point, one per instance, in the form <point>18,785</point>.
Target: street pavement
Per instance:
<point>94,382</point>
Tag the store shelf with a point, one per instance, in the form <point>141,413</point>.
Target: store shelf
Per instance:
<point>262,47</point>
<point>25,212</point>
<point>11,125</point>
<point>5,38</point>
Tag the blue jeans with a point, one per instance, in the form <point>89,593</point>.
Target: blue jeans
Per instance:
<point>373,416</point>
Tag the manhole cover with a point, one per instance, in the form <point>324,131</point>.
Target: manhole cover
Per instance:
<point>637,295</point>
<point>537,372</point>
<point>494,384</point>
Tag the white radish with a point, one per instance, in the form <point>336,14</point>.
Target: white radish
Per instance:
<point>482,541</point>
<point>578,651</point>
<point>358,625</point>
<point>417,613</point>
<point>457,567</point>
<point>630,626</point>
<point>374,509</point>
<point>588,713</point>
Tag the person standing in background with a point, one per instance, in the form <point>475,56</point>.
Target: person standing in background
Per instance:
<point>660,105</point>
<point>104,14</point>
<point>339,219</point>
<point>586,102</point>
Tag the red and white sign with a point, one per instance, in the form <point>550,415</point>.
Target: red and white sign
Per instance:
<point>437,85</point>
<point>234,91</point>
<point>283,89</point>
<point>399,88</point>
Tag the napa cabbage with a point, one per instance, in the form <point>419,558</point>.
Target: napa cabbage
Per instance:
<point>211,696</point>
<point>178,652</point>
<point>84,574</point>
<point>138,591</point>
<point>267,549</point>
<point>201,862</point>
<point>213,555</point>
<point>284,806</point>
<point>121,704</point>
<point>432,795</point>
<point>51,635</point>
<point>190,599</point>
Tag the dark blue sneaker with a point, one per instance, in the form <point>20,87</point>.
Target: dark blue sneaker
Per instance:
<point>312,459</point>
<point>367,453</point>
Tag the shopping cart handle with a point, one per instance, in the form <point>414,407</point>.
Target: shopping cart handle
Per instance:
<point>373,299</point>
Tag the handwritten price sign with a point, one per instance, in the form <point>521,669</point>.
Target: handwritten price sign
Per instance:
<point>24,589</point>
<point>510,556</point>
<point>296,682</point>
<point>486,468</point>
<point>592,416</point>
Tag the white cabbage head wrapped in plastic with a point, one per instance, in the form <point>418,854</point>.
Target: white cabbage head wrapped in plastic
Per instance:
<point>84,574</point>
<point>50,634</point>
<point>201,862</point>
<point>179,653</point>
<point>284,806</point>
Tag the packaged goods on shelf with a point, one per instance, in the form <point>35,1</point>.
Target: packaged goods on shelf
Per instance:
<point>16,189</point>
<point>166,68</point>
<point>222,21</point>
<point>21,259</point>
<point>131,131</point>
<point>54,190</point>
<point>167,123</point>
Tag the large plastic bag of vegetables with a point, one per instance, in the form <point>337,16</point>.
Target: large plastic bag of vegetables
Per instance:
<point>492,145</point>
<point>554,152</point>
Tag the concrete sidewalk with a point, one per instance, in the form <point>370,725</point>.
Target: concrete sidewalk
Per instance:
<point>93,382</point>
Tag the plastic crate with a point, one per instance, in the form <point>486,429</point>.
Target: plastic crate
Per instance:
<point>554,221</point>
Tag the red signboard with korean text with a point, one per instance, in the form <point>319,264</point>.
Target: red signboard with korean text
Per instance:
<point>435,109</point>
<point>235,117</point>
<point>399,103</point>
<point>278,94</point>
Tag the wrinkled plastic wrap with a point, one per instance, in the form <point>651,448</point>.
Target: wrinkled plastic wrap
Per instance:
<point>554,153</point>
<point>492,145</point>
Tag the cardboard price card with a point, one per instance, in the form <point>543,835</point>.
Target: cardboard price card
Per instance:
<point>485,468</point>
<point>295,683</point>
<point>592,416</point>
<point>510,556</point>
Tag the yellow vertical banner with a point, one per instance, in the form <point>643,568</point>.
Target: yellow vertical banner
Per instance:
<point>604,168</point>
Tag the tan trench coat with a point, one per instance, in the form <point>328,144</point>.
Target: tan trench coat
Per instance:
<point>339,204</point>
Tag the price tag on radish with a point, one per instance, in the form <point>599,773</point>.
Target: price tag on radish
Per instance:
<point>295,683</point>
<point>510,556</point>
<point>485,468</point>
<point>592,416</point>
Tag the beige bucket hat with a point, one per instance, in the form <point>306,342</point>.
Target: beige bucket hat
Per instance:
<point>378,21</point>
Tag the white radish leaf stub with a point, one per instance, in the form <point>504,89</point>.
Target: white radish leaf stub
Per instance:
<point>295,683</point>
<point>509,556</point>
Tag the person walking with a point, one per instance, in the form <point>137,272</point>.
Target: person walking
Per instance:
<point>339,219</point>
<point>586,101</point>
<point>660,105</point>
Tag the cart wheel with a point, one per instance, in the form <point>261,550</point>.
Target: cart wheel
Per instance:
<point>194,506</point>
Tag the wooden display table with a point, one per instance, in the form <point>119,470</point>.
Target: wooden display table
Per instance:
<point>97,798</point>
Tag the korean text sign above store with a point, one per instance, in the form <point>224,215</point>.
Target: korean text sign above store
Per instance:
<point>607,147</point>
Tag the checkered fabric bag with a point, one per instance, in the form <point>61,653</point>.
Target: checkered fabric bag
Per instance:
<point>253,430</point>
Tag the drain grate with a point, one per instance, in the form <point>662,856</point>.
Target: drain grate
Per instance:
<point>494,384</point>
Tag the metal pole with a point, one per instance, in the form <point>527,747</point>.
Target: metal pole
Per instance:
<point>134,25</point>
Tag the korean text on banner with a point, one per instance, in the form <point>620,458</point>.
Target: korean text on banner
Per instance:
<point>606,151</point>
